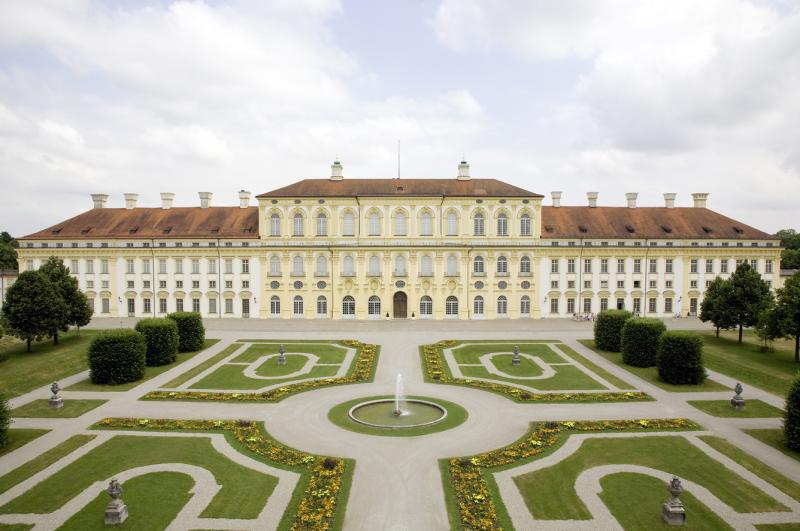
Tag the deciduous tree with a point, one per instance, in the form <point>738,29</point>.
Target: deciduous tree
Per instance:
<point>32,307</point>
<point>749,296</point>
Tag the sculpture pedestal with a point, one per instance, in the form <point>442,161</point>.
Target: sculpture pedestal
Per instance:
<point>56,403</point>
<point>737,403</point>
<point>673,514</point>
<point>515,361</point>
<point>116,513</point>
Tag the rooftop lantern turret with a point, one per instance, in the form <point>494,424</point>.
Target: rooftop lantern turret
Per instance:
<point>463,171</point>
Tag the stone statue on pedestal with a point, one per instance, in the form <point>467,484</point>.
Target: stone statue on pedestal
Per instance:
<point>281,355</point>
<point>737,402</point>
<point>56,401</point>
<point>116,510</point>
<point>515,360</point>
<point>672,511</point>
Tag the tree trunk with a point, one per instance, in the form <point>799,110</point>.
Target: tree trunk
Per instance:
<point>55,337</point>
<point>717,332</point>
<point>29,344</point>
<point>740,333</point>
<point>797,348</point>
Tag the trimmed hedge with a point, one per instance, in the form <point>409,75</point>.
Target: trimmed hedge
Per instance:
<point>608,329</point>
<point>117,356</point>
<point>680,358</point>
<point>5,420</point>
<point>791,419</point>
<point>191,333</point>
<point>161,336</point>
<point>639,343</point>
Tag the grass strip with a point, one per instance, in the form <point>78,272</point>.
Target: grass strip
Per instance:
<point>20,437</point>
<point>70,409</point>
<point>592,366</point>
<point>775,438</point>
<point>754,409</point>
<point>194,371</point>
<point>39,463</point>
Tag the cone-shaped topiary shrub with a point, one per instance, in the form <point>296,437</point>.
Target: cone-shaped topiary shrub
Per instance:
<point>791,419</point>
<point>191,333</point>
<point>640,338</point>
<point>608,329</point>
<point>161,336</point>
<point>680,358</point>
<point>117,356</point>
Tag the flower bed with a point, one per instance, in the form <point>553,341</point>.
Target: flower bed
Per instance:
<point>436,370</point>
<point>325,491</point>
<point>466,480</point>
<point>363,370</point>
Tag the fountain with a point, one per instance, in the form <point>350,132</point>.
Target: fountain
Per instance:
<point>397,411</point>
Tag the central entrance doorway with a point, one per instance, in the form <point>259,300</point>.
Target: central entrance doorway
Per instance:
<point>400,305</point>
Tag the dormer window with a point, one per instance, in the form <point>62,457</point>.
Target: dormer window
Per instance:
<point>630,228</point>
<point>85,230</point>
<point>583,228</point>
<point>737,230</point>
<point>167,230</point>
<point>666,228</point>
<point>707,230</point>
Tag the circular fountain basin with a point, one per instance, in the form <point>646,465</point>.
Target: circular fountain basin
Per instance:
<point>381,413</point>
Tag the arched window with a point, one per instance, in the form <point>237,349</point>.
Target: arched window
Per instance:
<point>322,265</point>
<point>477,265</point>
<point>400,265</point>
<point>525,265</point>
<point>374,224</point>
<point>451,306</point>
<point>502,265</point>
<point>348,224</point>
<point>297,306</point>
<point>322,306</point>
<point>502,306</point>
<point>322,224</point>
<point>425,306</point>
<point>525,225</point>
<point>502,225</point>
<point>452,224</point>
<point>478,228</point>
<point>274,265</point>
<point>274,225</point>
<point>477,305</point>
<point>275,306</point>
<point>426,266</point>
<point>426,224</point>
<point>297,265</point>
<point>452,265</point>
<point>400,223</point>
<point>374,307</point>
<point>348,306</point>
<point>374,266</point>
<point>525,306</point>
<point>348,267</point>
<point>299,221</point>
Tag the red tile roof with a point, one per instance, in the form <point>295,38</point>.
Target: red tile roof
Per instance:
<point>400,187</point>
<point>644,222</point>
<point>178,222</point>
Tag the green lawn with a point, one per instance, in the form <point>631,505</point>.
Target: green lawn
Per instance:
<point>471,353</point>
<point>635,501</point>
<point>22,371</point>
<point>456,415</point>
<point>567,378</point>
<point>674,454</point>
<point>39,463</point>
<point>722,408</point>
<point>650,374</point>
<point>755,466</point>
<point>167,492</point>
<point>244,491</point>
<point>526,368</point>
<point>230,376</point>
<point>774,438</point>
<point>213,360</point>
<point>601,372</point>
<point>42,409</point>
<point>770,371</point>
<point>149,372</point>
<point>20,437</point>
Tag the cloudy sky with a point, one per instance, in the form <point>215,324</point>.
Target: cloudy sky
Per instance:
<point>611,96</point>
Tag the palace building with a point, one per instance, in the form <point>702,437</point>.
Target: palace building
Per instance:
<point>459,248</point>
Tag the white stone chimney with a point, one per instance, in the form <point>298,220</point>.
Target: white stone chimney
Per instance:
<point>592,197</point>
<point>205,199</point>
<point>631,197</point>
<point>130,201</point>
<point>463,171</point>
<point>244,199</point>
<point>99,200</point>
<point>336,171</point>
<point>669,199</point>
<point>700,199</point>
<point>556,198</point>
<point>166,200</point>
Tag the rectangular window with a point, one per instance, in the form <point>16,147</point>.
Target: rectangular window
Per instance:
<point>637,265</point>
<point>130,284</point>
<point>637,305</point>
<point>90,266</point>
<point>228,305</point>
<point>620,284</point>
<point>554,284</point>
<point>212,266</point>
<point>162,305</point>
<point>587,305</point>
<point>693,284</point>
<point>229,266</point>
<point>603,265</point>
<point>229,284</point>
<point>693,265</point>
<point>212,284</point>
<point>571,265</point>
<point>196,305</point>
<point>245,266</point>
<point>668,284</point>
<point>179,266</point>
<point>90,284</point>
<point>668,305</point>
<point>653,265</point>
<point>693,306</point>
<point>129,267</point>
<point>162,284</point>
<point>709,266</point>
<point>604,284</point>
<point>104,267</point>
<point>668,265</point>
<point>104,284</point>
<point>587,265</point>
<point>653,284</point>
<point>212,305</point>
<point>570,284</point>
<point>554,305</point>
<point>620,265</point>
<point>587,284</point>
<point>554,266</point>
<point>723,266</point>
<point>195,266</point>
<point>178,305</point>
<point>652,305</point>
<point>147,307</point>
<point>105,306</point>
<point>179,284</point>
<point>754,265</point>
<point>768,266</point>
<point>245,284</point>
<point>146,267</point>
<point>162,266</point>
<point>570,306</point>
<point>74,267</point>
<point>603,304</point>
